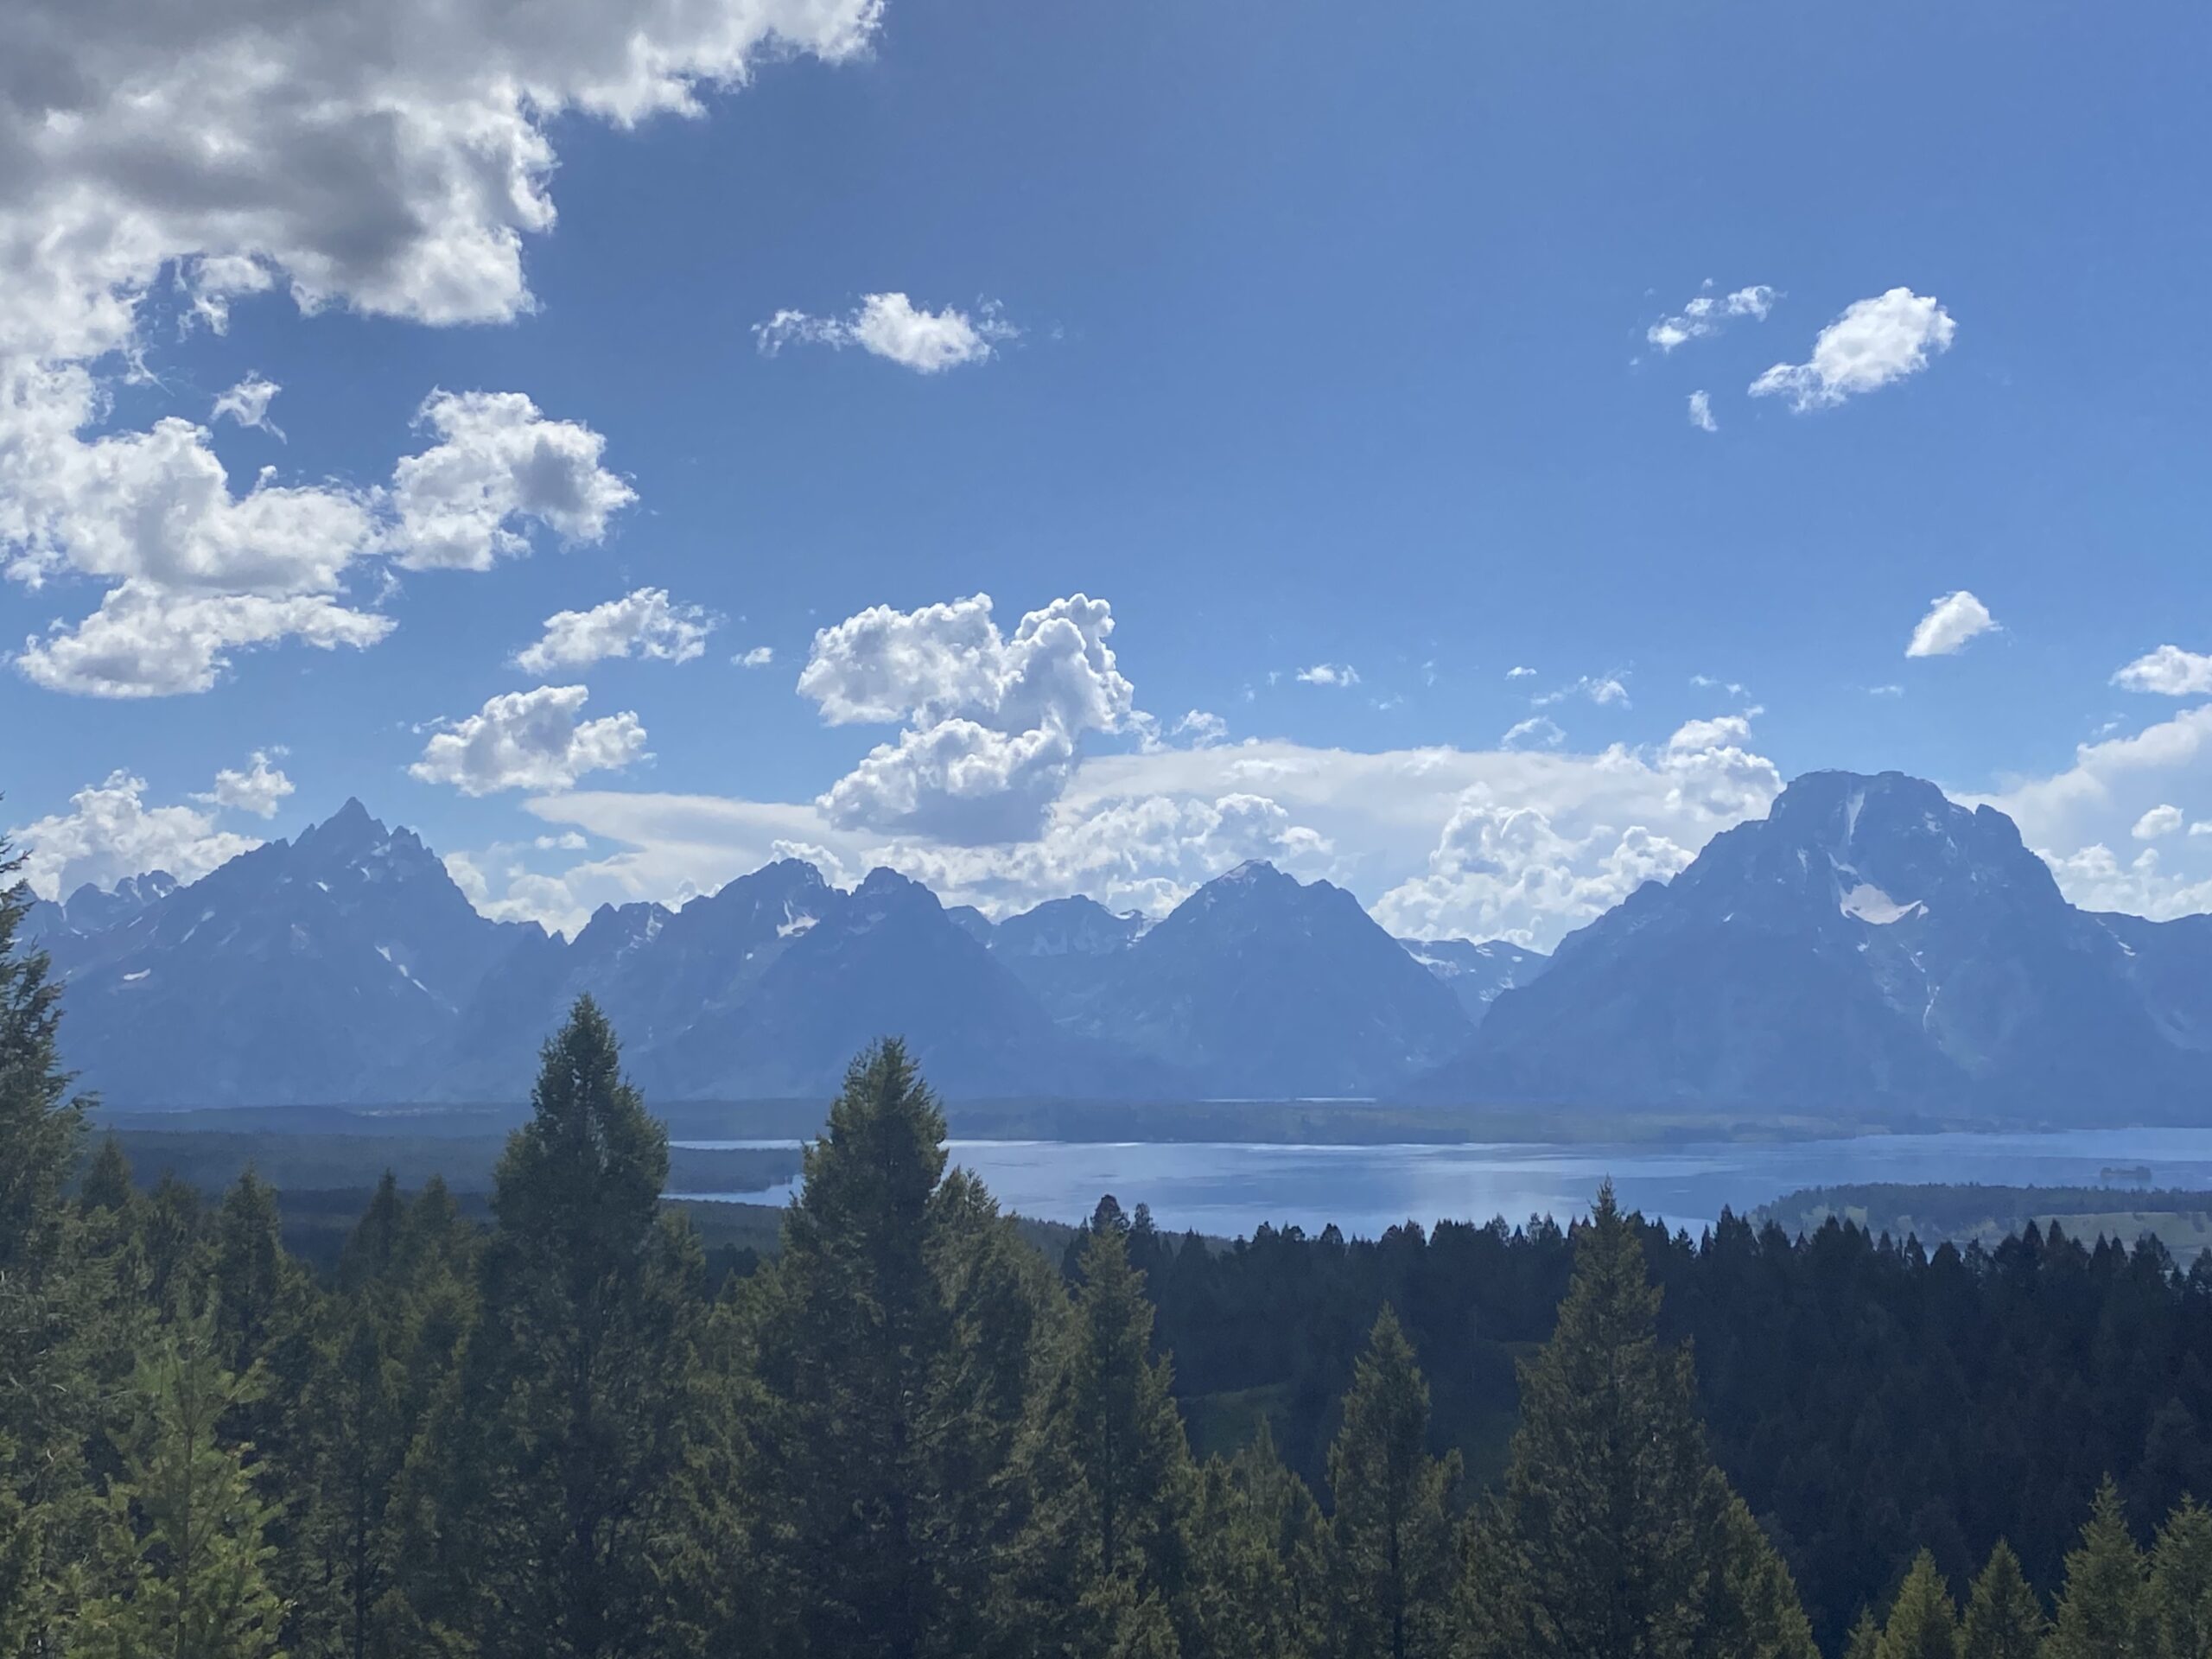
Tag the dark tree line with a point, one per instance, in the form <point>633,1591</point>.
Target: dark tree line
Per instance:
<point>1867,1398</point>
<point>907,1434</point>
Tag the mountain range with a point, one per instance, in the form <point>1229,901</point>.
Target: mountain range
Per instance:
<point>1869,946</point>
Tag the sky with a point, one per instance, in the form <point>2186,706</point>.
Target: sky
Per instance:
<point>1472,453</point>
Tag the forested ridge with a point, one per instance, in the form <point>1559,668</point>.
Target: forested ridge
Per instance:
<point>910,1434</point>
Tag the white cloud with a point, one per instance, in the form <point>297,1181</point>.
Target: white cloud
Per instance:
<point>1329,674</point>
<point>891,327</point>
<point>1140,829</point>
<point>247,403</point>
<point>1537,732</point>
<point>389,159</point>
<point>109,832</point>
<point>1604,690</point>
<point>147,641</point>
<point>645,623</point>
<point>2075,816</point>
<point>1885,690</point>
<point>1520,673</point>
<point>529,740</point>
<point>1951,621</point>
<point>1707,312</point>
<point>2169,671</point>
<point>498,460</point>
<point>259,790</point>
<point>199,572</point>
<point>1201,728</point>
<point>1702,412</point>
<point>993,722</point>
<point>758,657</point>
<point>2162,820</point>
<point>1873,344</point>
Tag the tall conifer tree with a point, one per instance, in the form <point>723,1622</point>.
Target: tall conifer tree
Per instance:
<point>558,1449</point>
<point>889,1342</point>
<point>1612,1537</point>
<point>2180,1590</point>
<point>1390,1535</point>
<point>1922,1623</point>
<point>2102,1612</point>
<point>2004,1619</point>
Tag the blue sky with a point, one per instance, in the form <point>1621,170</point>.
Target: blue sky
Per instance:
<point>1305,338</point>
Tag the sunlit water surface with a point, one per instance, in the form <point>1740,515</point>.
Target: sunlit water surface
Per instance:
<point>1228,1189</point>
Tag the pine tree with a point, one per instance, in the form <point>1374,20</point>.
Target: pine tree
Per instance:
<point>1123,1425</point>
<point>1390,1535</point>
<point>2180,1591</point>
<point>2102,1612</point>
<point>2004,1620</point>
<point>49,1406</point>
<point>552,1459</point>
<point>892,1346</point>
<point>187,1557</point>
<point>1611,1538</point>
<point>1922,1623</point>
<point>1752,1609</point>
<point>106,1185</point>
<point>1865,1641</point>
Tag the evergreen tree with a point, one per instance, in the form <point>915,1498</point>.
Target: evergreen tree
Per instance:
<point>1611,1538</point>
<point>1118,1413</point>
<point>1865,1641</point>
<point>2102,1613</point>
<point>2004,1619</point>
<point>48,1405</point>
<point>1922,1623</point>
<point>106,1185</point>
<point>1390,1536</point>
<point>890,1343</point>
<point>1752,1609</point>
<point>2180,1591</point>
<point>187,1557</point>
<point>555,1453</point>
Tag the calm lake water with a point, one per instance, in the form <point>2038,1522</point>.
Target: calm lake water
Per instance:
<point>1229,1190</point>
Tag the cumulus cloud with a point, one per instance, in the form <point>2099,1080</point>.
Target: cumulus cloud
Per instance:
<point>1951,621</point>
<point>247,403</point>
<point>2161,820</point>
<point>2075,816</point>
<point>1707,313</point>
<point>1702,412</point>
<point>498,460</point>
<point>110,832</point>
<point>1139,829</point>
<point>646,624</point>
<point>146,640</point>
<point>200,572</point>
<point>388,158</point>
<point>891,327</point>
<point>758,657</point>
<point>1528,871</point>
<point>1874,343</point>
<point>1520,673</point>
<point>1329,674</point>
<point>390,161</point>
<point>529,740</point>
<point>993,722</point>
<point>260,789</point>
<point>2169,671</point>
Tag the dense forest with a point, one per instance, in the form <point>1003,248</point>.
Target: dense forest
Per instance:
<point>908,1433</point>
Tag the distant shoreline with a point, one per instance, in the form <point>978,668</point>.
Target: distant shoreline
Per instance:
<point>1257,1122</point>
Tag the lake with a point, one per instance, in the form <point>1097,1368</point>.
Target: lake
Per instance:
<point>1228,1189</point>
